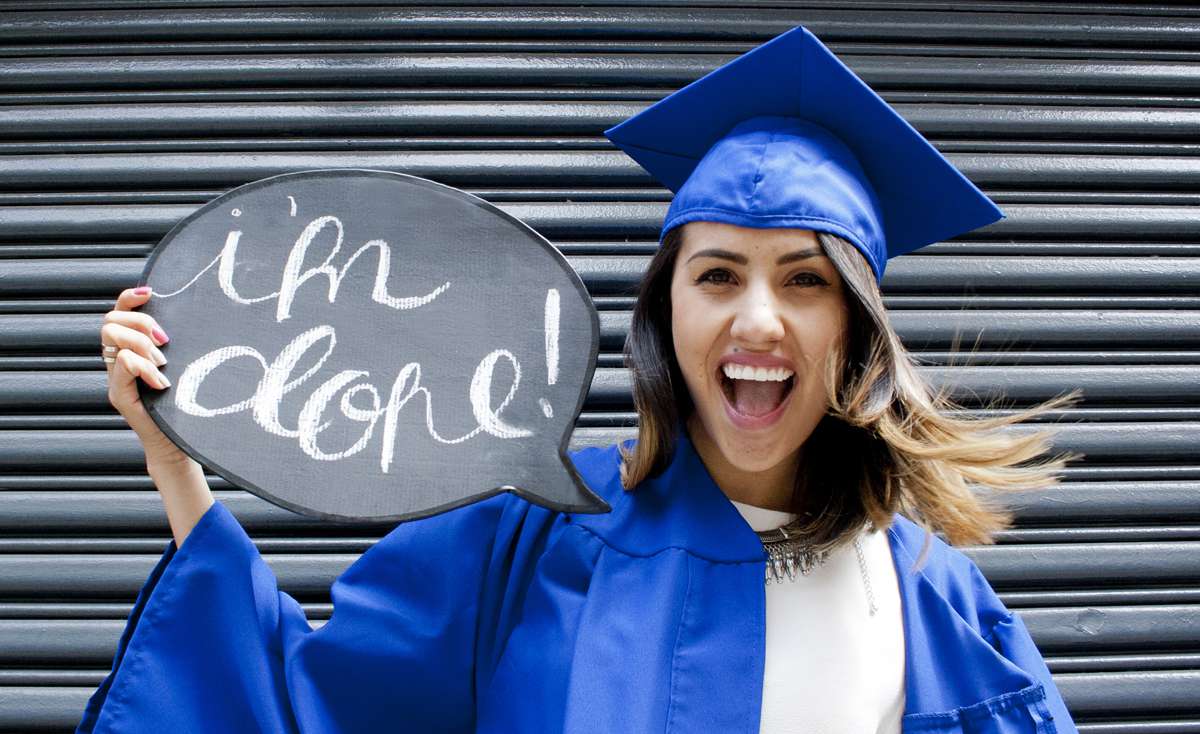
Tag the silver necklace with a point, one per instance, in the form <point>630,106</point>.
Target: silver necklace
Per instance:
<point>788,555</point>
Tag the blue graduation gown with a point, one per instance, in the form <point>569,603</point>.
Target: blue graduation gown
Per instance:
<point>502,616</point>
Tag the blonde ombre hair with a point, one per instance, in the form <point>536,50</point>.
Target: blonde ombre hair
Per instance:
<point>888,443</point>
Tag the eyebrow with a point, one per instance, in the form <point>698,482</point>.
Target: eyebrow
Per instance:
<point>792,257</point>
<point>743,260</point>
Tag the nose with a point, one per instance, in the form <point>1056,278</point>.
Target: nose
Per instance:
<point>757,322</point>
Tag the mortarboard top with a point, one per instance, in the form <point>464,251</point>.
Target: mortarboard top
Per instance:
<point>786,135</point>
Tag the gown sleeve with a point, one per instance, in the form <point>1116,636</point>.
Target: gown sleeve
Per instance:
<point>1011,638</point>
<point>212,644</point>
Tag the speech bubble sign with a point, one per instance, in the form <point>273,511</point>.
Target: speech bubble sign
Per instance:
<point>368,345</point>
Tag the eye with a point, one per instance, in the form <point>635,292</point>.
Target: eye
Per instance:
<point>807,278</point>
<point>716,276</point>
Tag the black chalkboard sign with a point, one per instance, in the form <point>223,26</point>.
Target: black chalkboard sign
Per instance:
<point>367,345</point>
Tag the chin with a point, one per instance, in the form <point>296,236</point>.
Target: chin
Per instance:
<point>756,453</point>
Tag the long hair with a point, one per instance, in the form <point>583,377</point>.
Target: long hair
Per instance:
<point>887,443</point>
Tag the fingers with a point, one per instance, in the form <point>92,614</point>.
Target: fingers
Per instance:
<point>122,330</point>
<point>131,298</point>
<point>125,328</point>
<point>138,321</point>
<point>131,365</point>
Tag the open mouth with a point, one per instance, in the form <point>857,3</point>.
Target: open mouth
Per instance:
<point>756,392</point>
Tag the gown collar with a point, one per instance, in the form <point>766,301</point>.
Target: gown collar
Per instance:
<point>684,508</point>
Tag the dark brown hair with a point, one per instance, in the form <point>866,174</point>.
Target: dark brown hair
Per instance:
<point>887,443</point>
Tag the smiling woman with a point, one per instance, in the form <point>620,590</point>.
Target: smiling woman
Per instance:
<point>760,347</point>
<point>774,349</point>
<point>769,352</point>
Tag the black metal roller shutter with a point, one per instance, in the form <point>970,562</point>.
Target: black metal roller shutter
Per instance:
<point>1082,120</point>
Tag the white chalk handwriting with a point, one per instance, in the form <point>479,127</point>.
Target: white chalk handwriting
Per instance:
<point>296,274</point>
<point>276,381</point>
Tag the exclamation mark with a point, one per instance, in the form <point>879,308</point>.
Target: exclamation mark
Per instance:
<point>551,334</point>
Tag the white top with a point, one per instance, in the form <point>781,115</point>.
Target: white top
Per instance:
<point>831,667</point>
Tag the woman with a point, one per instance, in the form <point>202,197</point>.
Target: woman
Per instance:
<point>770,389</point>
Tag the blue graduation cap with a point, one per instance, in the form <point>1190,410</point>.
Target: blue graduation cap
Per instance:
<point>786,135</point>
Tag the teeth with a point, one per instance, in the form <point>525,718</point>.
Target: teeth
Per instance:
<point>758,374</point>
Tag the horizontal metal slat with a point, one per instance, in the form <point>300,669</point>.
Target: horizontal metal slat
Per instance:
<point>673,70</point>
<point>1156,693</point>
<point>118,546</point>
<point>1042,598</point>
<point>1108,442</point>
<point>33,643</point>
<point>1100,502</point>
<point>355,544</point>
<point>617,417</point>
<point>1153,695</point>
<point>531,168</point>
<point>1004,302</point>
<point>1075,664</point>
<point>611,390</point>
<point>437,119</point>
<point>1121,565</point>
<point>38,417</point>
<point>57,333</point>
<point>385,140</point>
<point>1011,330</point>
<point>1095,630</point>
<point>52,513</point>
<point>1132,472</point>
<point>593,194</point>
<point>456,119</point>
<point>1100,385</point>
<point>1088,564</point>
<point>611,387</point>
<point>135,479</point>
<point>119,611</point>
<point>96,577</point>
<point>586,220</point>
<point>620,276</point>
<point>1127,443</point>
<point>747,23</point>
<point>1121,663</point>
<point>973,47</point>
<point>1087,534</point>
<point>21,677</point>
<point>40,642</point>
<point>612,359</point>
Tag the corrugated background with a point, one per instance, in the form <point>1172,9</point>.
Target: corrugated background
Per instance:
<point>1081,120</point>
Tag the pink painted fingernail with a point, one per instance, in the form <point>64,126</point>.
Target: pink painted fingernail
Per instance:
<point>160,335</point>
<point>142,290</point>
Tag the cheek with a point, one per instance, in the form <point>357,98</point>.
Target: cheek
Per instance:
<point>693,337</point>
<point>689,352</point>
<point>833,342</point>
<point>824,335</point>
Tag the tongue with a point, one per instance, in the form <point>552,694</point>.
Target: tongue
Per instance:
<point>752,397</point>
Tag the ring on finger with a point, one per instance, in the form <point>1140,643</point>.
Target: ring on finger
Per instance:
<point>109,360</point>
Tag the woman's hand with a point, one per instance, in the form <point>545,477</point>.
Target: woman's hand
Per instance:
<point>131,340</point>
<point>136,337</point>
